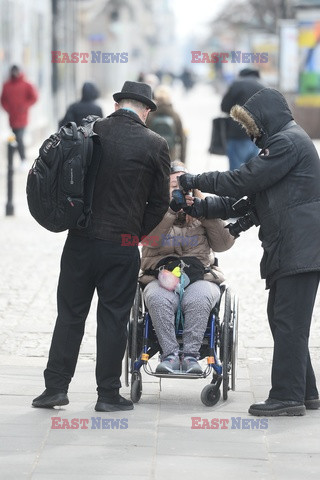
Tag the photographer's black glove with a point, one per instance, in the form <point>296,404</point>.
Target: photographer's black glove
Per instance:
<point>211,207</point>
<point>174,206</point>
<point>220,207</point>
<point>198,209</point>
<point>187,182</point>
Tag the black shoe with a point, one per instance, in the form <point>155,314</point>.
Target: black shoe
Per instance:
<point>312,403</point>
<point>47,400</point>
<point>115,404</point>
<point>273,408</point>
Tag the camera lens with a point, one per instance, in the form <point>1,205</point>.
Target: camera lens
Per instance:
<point>241,225</point>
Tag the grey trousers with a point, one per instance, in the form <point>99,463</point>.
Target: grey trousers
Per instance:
<point>198,300</point>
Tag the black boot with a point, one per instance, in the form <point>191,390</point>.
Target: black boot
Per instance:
<point>273,408</point>
<point>312,402</point>
<point>50,399</point>
<point>113,404</point>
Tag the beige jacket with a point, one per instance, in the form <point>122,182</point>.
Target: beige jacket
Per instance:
<point>198,238</point>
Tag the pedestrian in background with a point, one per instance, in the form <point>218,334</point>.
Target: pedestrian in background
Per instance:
<point>130,198</point>
<point>239,147</point>
<point>167,123</point>
<point>16,98</point>
<point>84,107</point>
<point>283,182</point>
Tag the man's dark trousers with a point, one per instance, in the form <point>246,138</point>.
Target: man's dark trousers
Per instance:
<point>290,306</point>
<point>89,264</point>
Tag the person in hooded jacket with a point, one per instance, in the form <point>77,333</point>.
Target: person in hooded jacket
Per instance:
<point>284,181</point>
<point>86,106</point>
<point>239,147</point>
<point>17,97</point>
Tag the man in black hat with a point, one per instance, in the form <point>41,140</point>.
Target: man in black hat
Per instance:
<point>130,198</point>
<point>239,147</point>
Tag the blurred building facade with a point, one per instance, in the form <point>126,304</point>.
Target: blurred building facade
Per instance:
<point>289,32</point>
<point>25,40</point>
<point>31,29</point>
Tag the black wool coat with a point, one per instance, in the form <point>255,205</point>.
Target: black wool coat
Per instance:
<point>285,177</point>
<point>131,192</point>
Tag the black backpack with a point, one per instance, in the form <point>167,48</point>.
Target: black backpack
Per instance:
<point>61,181</point>
<point>165,126</point>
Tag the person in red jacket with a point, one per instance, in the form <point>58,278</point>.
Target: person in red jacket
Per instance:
<point>16,98</point>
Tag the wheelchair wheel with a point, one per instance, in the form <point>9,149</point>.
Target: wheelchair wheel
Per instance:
<point>136,387</point>
<point>210,395</point>
<point>133,329</point>
<point>234,351</point>
<point>225,345</point>
<point>126,362</point>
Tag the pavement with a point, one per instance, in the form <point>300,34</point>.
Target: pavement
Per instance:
<point>155,440</point>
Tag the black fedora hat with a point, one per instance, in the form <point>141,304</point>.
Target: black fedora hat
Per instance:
<point>136,91</point>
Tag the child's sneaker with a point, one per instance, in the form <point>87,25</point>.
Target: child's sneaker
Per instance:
<point>170,364</point>
<point>190,365</point>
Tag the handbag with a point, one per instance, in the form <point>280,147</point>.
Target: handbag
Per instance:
<point>193,267</point>
<point>218,144</point>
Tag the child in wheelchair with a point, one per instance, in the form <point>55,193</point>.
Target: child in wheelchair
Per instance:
<point>181,279</point>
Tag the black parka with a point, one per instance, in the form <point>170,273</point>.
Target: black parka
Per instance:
<point>86,106</point>
<point>285,177</point>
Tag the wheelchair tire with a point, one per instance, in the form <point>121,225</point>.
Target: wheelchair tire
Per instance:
<point>136,387</point>
<point>226,348</point>
<point>234,331</point>
<point>133,330</point>
<point>210,395</point>
<point>126,363</point>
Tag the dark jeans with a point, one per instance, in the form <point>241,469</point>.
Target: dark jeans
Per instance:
<point>290,306</point>
<point>240,151</point>
<point>19,132</point>
<point>86,265</point>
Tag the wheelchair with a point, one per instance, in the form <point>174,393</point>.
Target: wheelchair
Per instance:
<point>219,346</point>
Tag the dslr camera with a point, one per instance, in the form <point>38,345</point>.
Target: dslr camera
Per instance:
<point>248,217</point>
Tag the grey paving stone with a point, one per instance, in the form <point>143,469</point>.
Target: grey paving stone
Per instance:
<point>205,443</point>
<point>288,466</point>
<point>102,460</point>
<point>133,437</point>
<point>189,468</point>
<point>16,465</point>
<point>19,444</point>
<point>52,476</point>
<point>19,430</point>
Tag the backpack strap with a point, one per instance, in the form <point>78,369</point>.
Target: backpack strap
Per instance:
<point>90,181</point>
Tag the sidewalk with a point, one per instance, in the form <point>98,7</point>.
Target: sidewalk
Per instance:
<point>158,441</point>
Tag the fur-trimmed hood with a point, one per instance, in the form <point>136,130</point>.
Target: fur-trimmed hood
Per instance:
<point>263,115</point>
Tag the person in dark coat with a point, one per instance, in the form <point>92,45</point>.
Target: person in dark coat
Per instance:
<point>166,121</point>
<point>239,147</point>
<point>17,97</point>
<point>130,198</point>
<point>284,182</point>
<point>86,106</point>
